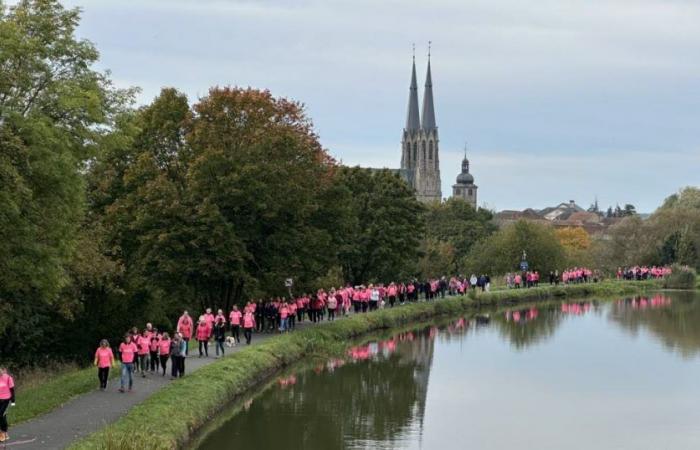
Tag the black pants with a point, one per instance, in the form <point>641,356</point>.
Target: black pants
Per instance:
<point>154,361</point>
<point>260,323</point>
<point>205,345</point>
<point>372,305</point>
<point>291,322</point>
<point>357,306</point>
<point>331,314</point>
<point>103,375</point>
<point>392,300</point>
<point>248,333</point>
<point>3,418</point>
<point>163,362</point>
<point>178,363</point>
<point>236,333</point>
<point>365,305</point>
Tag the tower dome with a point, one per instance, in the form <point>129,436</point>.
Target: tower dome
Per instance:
<point>465,188</point>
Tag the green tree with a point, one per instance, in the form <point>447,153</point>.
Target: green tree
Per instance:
<point>384,226</point>
<point>53,107</point>
<point>501,252</point>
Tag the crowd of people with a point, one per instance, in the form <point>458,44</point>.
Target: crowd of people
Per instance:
<point>149,350</point>
<point>642,272</point>
<point>530,279</point>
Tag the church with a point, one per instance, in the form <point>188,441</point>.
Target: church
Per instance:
<point>420,152</point>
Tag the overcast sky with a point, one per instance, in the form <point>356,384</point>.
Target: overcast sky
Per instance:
<point>557,99</point>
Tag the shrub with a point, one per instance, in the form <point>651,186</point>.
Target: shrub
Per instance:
<point>681,277</point>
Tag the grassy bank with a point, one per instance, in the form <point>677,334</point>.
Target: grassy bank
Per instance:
<point>175,412</point>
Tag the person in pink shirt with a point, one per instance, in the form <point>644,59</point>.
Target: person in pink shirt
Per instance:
<point>127,353</point>
<point>104,359</point>
<point>185,326</point>
<point>203,338</point>
<point>7,399</point>
<point>235,319</point>
<point>209,319</point>
<point>144,344</point>
<point>284,315</point>
<point>153,349</point>
<point>248,324</point>
<point>164,350</point>
<point>220,317</point>
<point>391,293</point>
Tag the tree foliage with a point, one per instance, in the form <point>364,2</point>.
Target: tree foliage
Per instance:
<point>53,107</point>
<point>502,252</point>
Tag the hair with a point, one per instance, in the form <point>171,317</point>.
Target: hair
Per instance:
<point>166,335</point>
<point>104,342</point>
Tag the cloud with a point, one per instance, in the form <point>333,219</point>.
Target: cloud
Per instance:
<point>592,90</point>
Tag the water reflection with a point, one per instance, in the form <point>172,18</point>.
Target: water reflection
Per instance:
<point>676,324</point>
<point>379,394</point>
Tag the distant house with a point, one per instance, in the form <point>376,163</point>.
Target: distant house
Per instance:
<point>566,214</point>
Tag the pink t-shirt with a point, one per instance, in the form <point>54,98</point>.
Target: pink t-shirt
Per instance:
<point>6,383</point>
<point>128,351</point>
<point>144,344</point>
<point>248,320</point>
<point>235,317</point>
<point>104,357</point>
<point>202,332</point>
<point>164,347</point>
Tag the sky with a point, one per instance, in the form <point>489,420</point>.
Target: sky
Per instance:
<point>556,100</point>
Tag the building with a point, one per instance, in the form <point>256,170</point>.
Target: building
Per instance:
<point>465,188</point>
<point>420,152</point>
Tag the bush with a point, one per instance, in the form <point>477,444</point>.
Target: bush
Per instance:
<point>682,277</point>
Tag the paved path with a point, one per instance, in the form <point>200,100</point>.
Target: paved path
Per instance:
<point>90,412</point>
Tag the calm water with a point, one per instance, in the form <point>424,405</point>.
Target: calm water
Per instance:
<point>580,375</point>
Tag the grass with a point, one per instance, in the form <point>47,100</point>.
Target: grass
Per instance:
<point>176,412</point>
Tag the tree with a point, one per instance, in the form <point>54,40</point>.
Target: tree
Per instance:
<point>573,238</point>
<point>385,227</point>
<point>451,229</point>
<point>501,252</point>
<point>53,107</point>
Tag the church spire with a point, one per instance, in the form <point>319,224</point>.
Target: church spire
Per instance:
<point>412,118</point>
<point>428,108</point>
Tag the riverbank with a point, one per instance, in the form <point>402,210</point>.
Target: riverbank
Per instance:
<point>179,409</point>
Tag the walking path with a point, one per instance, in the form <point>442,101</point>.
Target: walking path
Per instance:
<point>90,412</point>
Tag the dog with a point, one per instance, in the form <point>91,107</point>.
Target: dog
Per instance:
<point>230,341</point>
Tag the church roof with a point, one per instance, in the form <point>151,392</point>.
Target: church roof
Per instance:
<point>428,114</point>
<point>412,118</point>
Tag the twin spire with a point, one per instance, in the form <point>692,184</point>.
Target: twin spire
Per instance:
<point>413,122</point>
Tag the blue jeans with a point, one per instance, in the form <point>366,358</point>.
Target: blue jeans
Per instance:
<point>283,324</point>
<point>127,371</point>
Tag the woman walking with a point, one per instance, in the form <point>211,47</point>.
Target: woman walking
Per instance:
<point>203,338</point>
<point>178,348</point>
<point>153,347</point>
<point>7,399</point>
<point>104,359</point>
<point>185,326</point>
<point>235,319</point>
<point>219,335</point>
<point>144,344</point>
<point>248,324</point>
<point>164,350</point>
<point>127,354</point>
